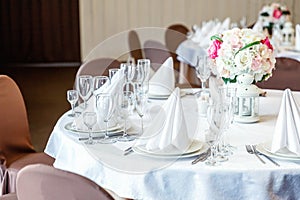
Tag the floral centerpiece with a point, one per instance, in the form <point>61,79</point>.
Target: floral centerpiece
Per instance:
<point>242,51</point>
<point>274,14</point>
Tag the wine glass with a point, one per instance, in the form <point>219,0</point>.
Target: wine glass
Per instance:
<point>89,120</point>
<point>203,69</point>
<point>112,72</point>
<point>85,87</point>
<point>145,69</point>
<point>104,105</point>
<point>125,102</point>
<point>140,104</point>
<point>101,82</point>
<point>72,97</point>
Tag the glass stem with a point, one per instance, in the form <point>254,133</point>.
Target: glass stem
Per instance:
<point>202,84</point>
<point>90,136</point>
<point>125,127</point>
<point>142,125</point>
<point>106,129</point>
<point>73,111</point>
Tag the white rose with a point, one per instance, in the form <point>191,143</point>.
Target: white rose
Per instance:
<point>243,60</point>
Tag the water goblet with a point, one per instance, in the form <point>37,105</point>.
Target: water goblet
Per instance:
<point>203,70</point>
<point>104,105</point>
<point>124,104</point>
<point>101,82</point>
<point>85,88</point>
<point>72,97</point>
<point>89,120</point>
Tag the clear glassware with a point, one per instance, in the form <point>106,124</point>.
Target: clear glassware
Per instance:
<point>124,104</point>
<point>203,69</point>
<point>89,120</point>
<point>72,97</point>
<point>140,105</point>
<point>105,108</point>
<point>112,72</point>
<point>101,82</point>
<point>145,68</point>
<point>85,88</point>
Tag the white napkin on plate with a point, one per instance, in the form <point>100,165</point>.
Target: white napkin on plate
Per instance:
<point>287,129</point>
<point>163,81</point>
<point>297,38</point>
<point>168,129</point>
<point>113,88</point>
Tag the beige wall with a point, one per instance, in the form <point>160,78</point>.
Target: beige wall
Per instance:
<point>104,23</point>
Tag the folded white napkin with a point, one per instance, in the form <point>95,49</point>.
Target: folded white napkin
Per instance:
<point>168,129</point>
<point>297,39</point>
<point>287,129</point>
<point>112,88</point>
<point>163,81</point>
<point>258,26</point>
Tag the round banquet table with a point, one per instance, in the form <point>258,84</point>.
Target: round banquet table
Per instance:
<point>140,176</point>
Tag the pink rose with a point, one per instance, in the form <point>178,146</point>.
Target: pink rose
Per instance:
<point>277,13</point>
<point>213,49</point>
<point>267,42</point>
<point>256,63</point>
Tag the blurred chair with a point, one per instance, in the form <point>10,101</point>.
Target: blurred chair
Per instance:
<point>98,66</point>
<point>285,75</point>
<point>16,149</point>
<point>156,52</point>
<point>42,182</point>
<point>135,45</point>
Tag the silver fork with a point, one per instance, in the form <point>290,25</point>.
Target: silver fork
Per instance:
<point>270,159</point>
<point>251,151</point>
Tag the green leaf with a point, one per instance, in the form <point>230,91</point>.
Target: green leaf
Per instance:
<point>247,46</point>
<point>215,37</point>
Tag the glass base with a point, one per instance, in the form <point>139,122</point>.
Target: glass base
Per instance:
<point>89,142</point>
<point>212,162</point>
<point>107,140</point>
<point>126,138</point>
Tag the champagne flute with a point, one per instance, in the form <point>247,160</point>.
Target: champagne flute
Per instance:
<point>140,104</point>
<point>85,87</point>
<point>125,102</point>
<point>203,70</point>
<point>89,120</point>
<point>104,105</point>
<point>72,97</point>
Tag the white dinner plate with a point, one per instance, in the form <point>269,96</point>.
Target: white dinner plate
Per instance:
<point>162,96</point>
<point>113,129</point>
<point>265,148</point>
<point>196,148</point>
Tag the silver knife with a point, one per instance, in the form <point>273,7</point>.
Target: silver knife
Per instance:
<point>202,157</point>
<point>270,159</point>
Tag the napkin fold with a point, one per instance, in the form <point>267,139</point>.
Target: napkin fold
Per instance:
<point>168,130</point>
<point>297,37</point>
<point>287,129</point>
<point>163,81</point>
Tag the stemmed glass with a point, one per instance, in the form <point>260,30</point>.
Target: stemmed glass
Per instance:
<point>203,70</point>
<point>89,120</point>
<point>140,106</point>
<point>215,117</point>
<point>144,70</point>
<point>85,87</point>
<point>112,72</point>
<point>125,102</point>
<point>72,97</point>
<point>101,82</point>
<point>104,105</point>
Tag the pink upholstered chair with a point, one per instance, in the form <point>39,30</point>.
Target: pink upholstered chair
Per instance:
<point>42,182</point>
<point>156,52</point>
<point>16,149</point>
<point>285,75</point>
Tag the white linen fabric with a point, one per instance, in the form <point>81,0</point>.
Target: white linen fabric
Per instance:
<point>297,39</point>
<point>112,88</point>
<point>137,176</point>
<point>168,129</point>
<point>287,129</point>
<point>163,81</point>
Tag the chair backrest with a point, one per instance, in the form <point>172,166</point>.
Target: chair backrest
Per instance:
<point>174,35</point>
<point>43,182</point>
<point>14,128</point>
<point>156,52</point>
<point>285,75</point>
<point>135,45</point>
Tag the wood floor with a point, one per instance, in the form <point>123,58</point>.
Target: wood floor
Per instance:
<point>44,91</point>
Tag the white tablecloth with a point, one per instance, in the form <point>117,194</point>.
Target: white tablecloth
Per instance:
<point>141,177</point>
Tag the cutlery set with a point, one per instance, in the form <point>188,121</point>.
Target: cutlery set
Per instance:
<point>251,149</point>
